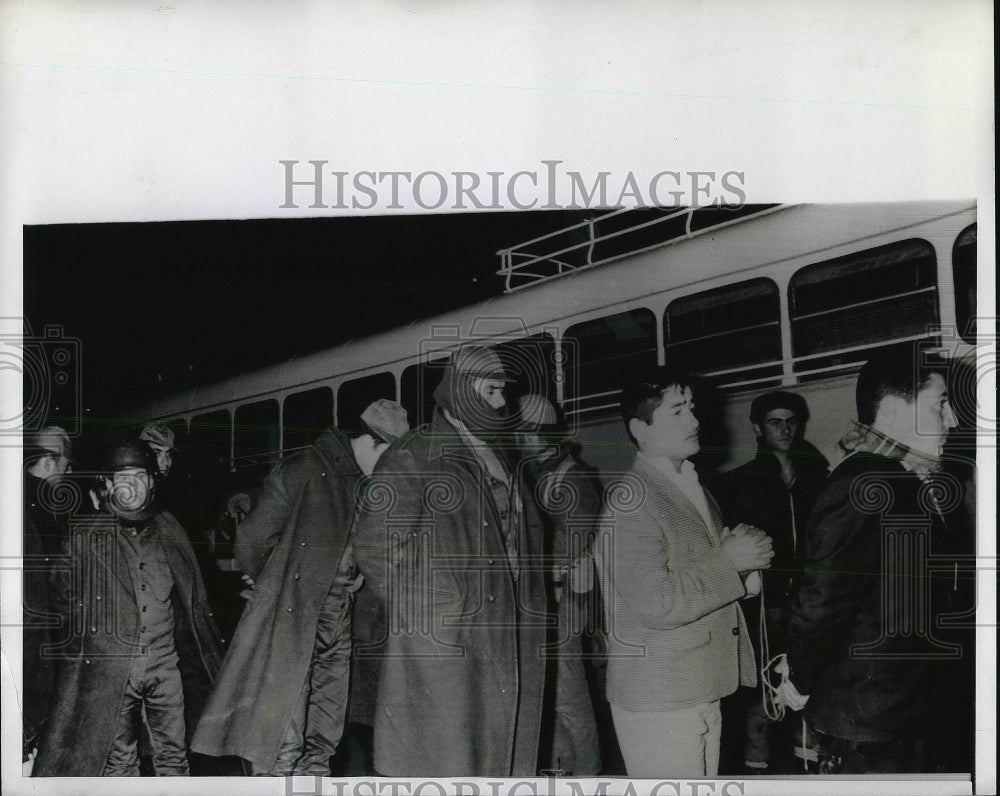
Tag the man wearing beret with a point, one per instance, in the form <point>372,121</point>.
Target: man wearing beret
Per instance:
<point>280,699</point>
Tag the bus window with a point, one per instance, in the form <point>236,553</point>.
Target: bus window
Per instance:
<point>305,416</point>
<point>255,434</point>
<point>209,440</point>
<point>530,361</point>
<point>963,261</point>
<point>602,354</point>
<point>354,396</point>
<point>736,326</point>
<point>416,389</point>
<point>863,299</point>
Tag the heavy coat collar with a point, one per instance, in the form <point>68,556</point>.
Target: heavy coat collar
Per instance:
<point>335,451</point>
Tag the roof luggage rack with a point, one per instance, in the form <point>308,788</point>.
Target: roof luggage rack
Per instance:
<point>612,236</point>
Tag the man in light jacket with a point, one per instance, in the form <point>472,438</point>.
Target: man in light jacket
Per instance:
<point>671,576</point>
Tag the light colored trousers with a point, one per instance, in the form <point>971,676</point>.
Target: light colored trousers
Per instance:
<point>672,743</point>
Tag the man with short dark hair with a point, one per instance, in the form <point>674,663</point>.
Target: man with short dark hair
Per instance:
<point>281,697</point>
<point>671,576</point>
<point>865,646</point>
<point>774,491</point>
<point>142,646</point>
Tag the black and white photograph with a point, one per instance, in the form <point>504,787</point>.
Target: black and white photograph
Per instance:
<point>535,419</point>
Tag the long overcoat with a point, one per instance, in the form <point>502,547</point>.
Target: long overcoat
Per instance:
<point>101,615</point>
<point>463,666</point>
<point>291,545</point>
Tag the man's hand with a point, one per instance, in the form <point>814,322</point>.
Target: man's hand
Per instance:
<point>748,547</point>
<point>248,591</point>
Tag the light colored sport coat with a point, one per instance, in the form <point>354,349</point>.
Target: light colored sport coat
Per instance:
<point>677,636</point>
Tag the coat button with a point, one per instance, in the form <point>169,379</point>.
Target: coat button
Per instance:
<point>297,576</point>
<point>87,661</point>
<point>323,474</point>
<point>302,544</point>
<point>93,630</point>
<point>493,599</point>
<point>490,562</point>
<point>736,631</point>
<point>289,609</point>
<point>98,597</point>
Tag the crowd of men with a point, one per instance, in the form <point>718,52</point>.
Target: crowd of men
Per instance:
<point>474,595</point>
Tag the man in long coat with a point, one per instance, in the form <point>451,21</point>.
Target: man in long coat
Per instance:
<point>569,497</point>
<point>280,699</point>
<point>444,539</point>
<point>140,637</point>
<point>48,457</point>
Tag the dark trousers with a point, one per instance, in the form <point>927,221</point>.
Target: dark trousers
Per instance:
<point>317,721</point>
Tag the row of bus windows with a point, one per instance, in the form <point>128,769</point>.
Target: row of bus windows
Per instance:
<point>882,294</point>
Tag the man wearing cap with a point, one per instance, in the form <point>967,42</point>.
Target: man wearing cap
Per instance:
<point>161,439</point>
<point>140,643</point>
<point>774,491</point>
<point>280,699</point>
<point>48,456</point>
<point>454,554</point>
<point>569,497</point>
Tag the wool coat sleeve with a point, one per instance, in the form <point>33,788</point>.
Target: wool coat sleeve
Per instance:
<point>259,533</point>
<point>390,505</point>
<point>663,586</point>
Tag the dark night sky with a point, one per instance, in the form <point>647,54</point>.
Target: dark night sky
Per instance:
<point>160,307</point>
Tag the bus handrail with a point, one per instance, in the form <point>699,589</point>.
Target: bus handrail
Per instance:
<point>509,270</point>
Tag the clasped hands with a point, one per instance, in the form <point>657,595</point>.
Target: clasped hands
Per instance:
<point>747,547</point>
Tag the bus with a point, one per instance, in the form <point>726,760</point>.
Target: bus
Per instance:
<point>748,299</point>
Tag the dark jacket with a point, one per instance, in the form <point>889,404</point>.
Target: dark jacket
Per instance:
<point>863,635</point>
<point>45,535</point>
<point>99,646</point>
<point>569,497</point>
<point>462,675</point>
<point>755,493</point>
<point>291,544</point>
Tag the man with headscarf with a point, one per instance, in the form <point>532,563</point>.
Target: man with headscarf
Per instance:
<point>281,697</point>
<point>141,643</point>
<point>453,551</point>
<point>568,494</point>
